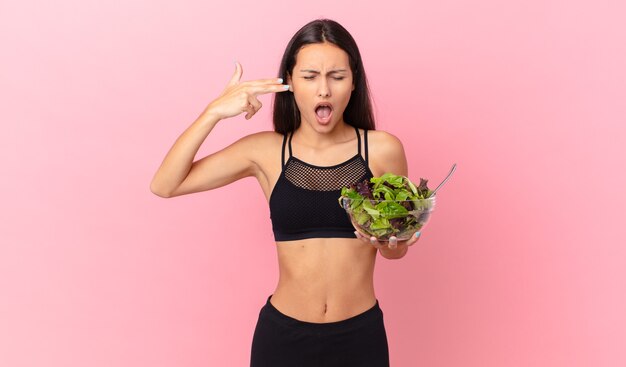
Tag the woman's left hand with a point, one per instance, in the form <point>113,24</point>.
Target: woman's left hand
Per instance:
<point>392,244</point>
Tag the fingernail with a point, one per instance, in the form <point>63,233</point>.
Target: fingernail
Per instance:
<point>280,80</point>
<point>286,87</point>
<point>417,234</point>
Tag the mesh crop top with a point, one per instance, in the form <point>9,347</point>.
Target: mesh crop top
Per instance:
<point>304,201</point>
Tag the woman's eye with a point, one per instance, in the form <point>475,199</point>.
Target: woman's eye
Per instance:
<point>311,77</point>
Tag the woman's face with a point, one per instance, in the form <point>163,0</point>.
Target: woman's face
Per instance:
<point>321,76</point>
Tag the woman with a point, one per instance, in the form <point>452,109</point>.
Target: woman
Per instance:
<point>324,311</point>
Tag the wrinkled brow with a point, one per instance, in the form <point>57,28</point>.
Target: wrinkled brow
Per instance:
<point>317,72</point>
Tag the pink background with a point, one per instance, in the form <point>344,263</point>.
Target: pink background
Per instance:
<point>523,263</point>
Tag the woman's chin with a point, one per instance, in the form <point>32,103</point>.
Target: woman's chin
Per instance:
<point>322,125</point>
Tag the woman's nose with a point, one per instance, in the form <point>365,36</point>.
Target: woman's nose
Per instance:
<point>324,90</point>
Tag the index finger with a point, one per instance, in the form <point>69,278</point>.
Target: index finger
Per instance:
<point>269,88</point>
<point>393,242</point>
<point>270,81</point>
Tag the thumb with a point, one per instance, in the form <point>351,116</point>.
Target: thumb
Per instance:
<point>237,76</point>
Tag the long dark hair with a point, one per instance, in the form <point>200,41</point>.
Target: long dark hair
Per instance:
<point>358,113</point>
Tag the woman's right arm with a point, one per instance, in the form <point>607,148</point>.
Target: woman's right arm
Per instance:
<point>180,175</point>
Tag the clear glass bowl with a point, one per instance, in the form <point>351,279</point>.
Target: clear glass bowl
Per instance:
<point>385,218</point>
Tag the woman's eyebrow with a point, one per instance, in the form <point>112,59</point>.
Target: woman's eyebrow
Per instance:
<point>317,72</point>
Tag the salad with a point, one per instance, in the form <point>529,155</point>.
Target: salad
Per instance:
<point>389,205</point>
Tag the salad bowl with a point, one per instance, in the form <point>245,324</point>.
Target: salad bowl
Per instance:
<point>389,205</point>
<point>386,218</point>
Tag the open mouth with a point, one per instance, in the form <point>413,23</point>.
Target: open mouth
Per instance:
<point>323,112</point>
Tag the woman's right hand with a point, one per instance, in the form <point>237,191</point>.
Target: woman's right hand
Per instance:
<point>241,97</point>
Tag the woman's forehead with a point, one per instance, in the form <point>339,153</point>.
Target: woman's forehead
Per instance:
<point>322,55</point>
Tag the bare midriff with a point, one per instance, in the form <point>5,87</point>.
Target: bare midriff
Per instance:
<point>324,279</point>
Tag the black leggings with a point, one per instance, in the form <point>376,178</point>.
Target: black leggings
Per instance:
<point>280,340</point>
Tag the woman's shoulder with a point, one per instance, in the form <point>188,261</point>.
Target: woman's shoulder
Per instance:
<point>265,135</point>
<point>260,146</point>
<point>261,139</point>
<point>386,153</point>
<point>383,142</point>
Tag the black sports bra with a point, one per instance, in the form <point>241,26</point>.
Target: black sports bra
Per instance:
<point>304,201</point>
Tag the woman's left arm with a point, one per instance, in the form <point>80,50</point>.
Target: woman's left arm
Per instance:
<point>386,155</point>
